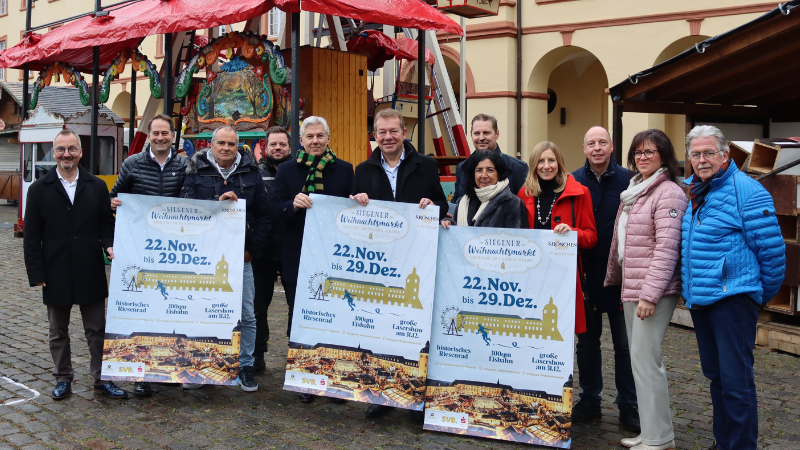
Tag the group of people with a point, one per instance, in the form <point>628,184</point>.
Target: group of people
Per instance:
<point>642,244</point>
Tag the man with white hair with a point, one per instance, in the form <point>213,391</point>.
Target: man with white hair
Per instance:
<point>733,261</point>
<point>227,172</point>
<point>316,169</point>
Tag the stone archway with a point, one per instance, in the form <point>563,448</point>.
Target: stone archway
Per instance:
<point>576,81</point>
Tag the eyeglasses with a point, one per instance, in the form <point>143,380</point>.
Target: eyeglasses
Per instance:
<point>647,154</point>
<point>72,150</point>
<point>706,154</point>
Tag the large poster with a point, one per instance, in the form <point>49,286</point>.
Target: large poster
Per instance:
<point>362,311</point>
<point>501,351</point>
<point>175,295</point>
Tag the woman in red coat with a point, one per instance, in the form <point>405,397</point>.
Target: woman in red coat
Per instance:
<point>556,201</point>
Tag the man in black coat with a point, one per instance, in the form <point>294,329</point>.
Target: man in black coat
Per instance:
<point>267,266</point>
<point>484,135</point>
<point>397,173</point>
<point>606,180</point>
<point>157,170</point>
<point>296,179</point>
<point>229,173</point>
<point>67,222</point>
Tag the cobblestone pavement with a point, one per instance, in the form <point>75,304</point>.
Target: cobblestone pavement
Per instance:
<point>227,418</point>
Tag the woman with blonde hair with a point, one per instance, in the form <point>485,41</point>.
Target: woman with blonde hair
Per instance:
<point>556,201</point>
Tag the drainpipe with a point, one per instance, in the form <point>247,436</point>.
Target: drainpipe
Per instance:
<point>519,79</point>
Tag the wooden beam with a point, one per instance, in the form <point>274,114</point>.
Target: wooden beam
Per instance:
<point>755,94</point>
<point>765,30</point>
<point>337,35</point>
<point>758,56</point>
<point>753,79</point>
<point>692,109</point>
<point>787,93</point>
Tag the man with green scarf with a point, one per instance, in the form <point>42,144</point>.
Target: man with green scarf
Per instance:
<point>316,169</point>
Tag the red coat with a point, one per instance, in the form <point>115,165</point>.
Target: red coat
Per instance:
<point>584,225</point>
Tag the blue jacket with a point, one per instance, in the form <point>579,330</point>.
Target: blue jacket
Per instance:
<point>204,182</point>
<point>732,243</point>
<point>605,203</point>
<point>519,172</point>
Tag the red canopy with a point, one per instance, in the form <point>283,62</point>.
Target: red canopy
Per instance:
<point>400,13</point>
<point>382,48</point>
<point>124,26</point>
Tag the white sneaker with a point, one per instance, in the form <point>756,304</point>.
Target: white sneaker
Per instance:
<point>667,446</point>
<point>191,386</point>
<point>631,442</point>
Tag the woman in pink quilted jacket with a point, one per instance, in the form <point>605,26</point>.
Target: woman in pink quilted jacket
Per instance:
<point>644,259</point>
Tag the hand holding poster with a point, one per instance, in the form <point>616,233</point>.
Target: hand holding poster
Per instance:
<point>362,322</point>
<point>501,352</point>
<point>175,295</point>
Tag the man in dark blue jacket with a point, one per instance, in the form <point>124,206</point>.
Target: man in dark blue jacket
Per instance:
<point>606,180</point>
<point>228,173</point>
<point>484,135</point>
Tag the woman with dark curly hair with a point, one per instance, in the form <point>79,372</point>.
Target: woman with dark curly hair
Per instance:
<point>488,201</point>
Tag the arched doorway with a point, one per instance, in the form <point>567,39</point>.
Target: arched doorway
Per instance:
<point>576,82</point>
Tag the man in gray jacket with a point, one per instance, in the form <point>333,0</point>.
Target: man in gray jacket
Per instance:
<point>158,170</point>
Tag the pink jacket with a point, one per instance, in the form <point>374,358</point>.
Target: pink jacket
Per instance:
<point>652,244</point>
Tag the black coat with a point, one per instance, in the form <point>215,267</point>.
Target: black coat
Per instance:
<point>605,201</point>
<point>204,182</point>
<point>505,210</point>
<point>141,175</point>
<point>274,249</point>
<point>64,242</point>
<point>519,172</point>
<point>337,180</point>
<point>417,178</point>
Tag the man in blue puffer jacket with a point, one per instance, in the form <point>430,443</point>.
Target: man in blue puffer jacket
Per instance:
<point>733,261</point>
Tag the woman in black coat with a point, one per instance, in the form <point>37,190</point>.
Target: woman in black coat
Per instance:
<point>488,201</point>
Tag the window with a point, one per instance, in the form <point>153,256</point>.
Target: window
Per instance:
<point>274,21</point>
<point>225,29</point>
<point>3,7</point>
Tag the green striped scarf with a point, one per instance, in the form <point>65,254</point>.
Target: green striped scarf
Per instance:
<point>316,165</point>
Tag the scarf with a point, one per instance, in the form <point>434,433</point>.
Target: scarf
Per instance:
<point>316,165</point>
<point>484,195</point>
<point>636,187</point>
<point>699,189</point>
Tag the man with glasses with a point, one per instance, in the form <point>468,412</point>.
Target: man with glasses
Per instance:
<point>397,173</point>
<point>733,260</point>
<point>227,172</point>
<point>158,170</point>
<point>67,222</point>
<point>606,180</point>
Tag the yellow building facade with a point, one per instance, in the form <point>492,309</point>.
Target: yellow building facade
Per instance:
<point>218,281</point>
<point>572,52</point>
<point>407,296</point>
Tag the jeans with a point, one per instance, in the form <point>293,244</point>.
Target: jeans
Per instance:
<point>590,359</point>
<point>726,334</point>
<point>248,325</point>
<point>265,272</point>
<point>645,338</point>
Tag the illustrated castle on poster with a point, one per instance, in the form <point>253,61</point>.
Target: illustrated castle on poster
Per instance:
<point>511,325</point>
<point>218,281</point>
<point>225,346</point>
<point>362,291</point>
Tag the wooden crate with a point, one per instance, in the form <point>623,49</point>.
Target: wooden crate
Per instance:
<point>334,86</point>
<point>777,336</point>
<point>783,189</point>
<point>784,302</point>
<point>740,153</point>
<point>763,158</point>
<point>788,226</point>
